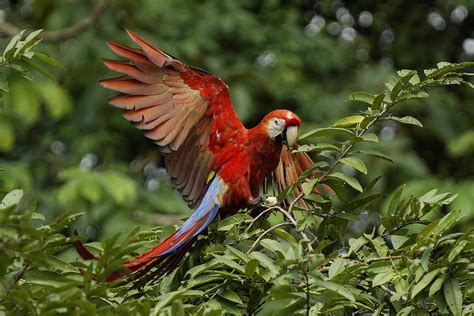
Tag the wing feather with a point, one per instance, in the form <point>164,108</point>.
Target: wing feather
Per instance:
<point>290,168</point>
<point>182,109</point>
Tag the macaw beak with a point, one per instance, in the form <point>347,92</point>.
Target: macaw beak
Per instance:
<point>291,135</point>
<point>288,136</point>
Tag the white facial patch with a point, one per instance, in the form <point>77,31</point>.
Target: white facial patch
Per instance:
<point>275,127</point>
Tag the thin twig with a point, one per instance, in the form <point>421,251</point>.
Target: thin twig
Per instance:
<point>295,224</point>
<point>389,291</point>
<point>254,220</point>
<point>10,30</point>
<point>263,235</point>
<point>368,261</point>
<point>15,281</point>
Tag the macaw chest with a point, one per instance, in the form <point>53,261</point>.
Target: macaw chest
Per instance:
<point>262,163</point>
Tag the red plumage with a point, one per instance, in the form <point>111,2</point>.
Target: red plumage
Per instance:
<point>214,161</point>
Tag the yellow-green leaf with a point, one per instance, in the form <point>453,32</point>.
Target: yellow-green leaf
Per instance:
<point>347,179</point>
<point>349,120</point>
<point>355,163</point>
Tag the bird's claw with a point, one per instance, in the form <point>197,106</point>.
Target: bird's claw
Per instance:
<point>270,201</point>
<point>264,200</point>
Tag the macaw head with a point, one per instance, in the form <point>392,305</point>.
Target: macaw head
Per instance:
<point>282,127</point>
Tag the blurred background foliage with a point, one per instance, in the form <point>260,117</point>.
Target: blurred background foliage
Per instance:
<point>68,149</point>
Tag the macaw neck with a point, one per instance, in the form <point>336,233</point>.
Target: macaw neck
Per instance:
<point>264,155</point>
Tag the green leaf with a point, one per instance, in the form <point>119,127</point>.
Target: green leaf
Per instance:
<point>401,83</point>
<point>45,278</point>
<point>406,120</point>
<point>48,60</point>
<point>361,96</point>
<point>26,45</point>
<point>330,131</point>
<point>226,260</point>
<point>355,163</point>
<point>457,250</point>
<point>361,201</point>
<point>334,287</point>
<point>436,286</point>
<point>347,179</point>
<point>395,198</point>
<point>367,137</point>
<point>453,295</point>
<point>11,199</point>
<point>308,186</point>
<point>199,269</point>
<point>57,263</point>
<point>356,243</point>
<point>274,246</point>
<point>316,147</point>
<point>266,262</point>
<point>445,223</point>
<point>348,216</point>
<point>383,278</point>
<point>38,68</point>
<point>38,217</point>
<point>375,153</point>
<point>398,241</point>
<point>377,103</point>
<point>64,219</point>
<point>230,295</point>
<point>424,282</point>
<point>447,67</point>
<point>349,120</point>
<point>251,267</point>
<point>229,222</point>
<point>33,35</point>
<point>165,299</point>
<point>9,50</point>
<point>336,267</point>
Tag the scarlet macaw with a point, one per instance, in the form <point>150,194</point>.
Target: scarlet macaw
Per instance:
<point>215,162</point>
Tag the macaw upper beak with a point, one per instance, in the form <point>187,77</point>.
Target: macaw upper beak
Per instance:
<point>291,134</point>
<point>288,136</point>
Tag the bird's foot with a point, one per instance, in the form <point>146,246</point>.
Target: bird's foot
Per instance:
<point>263,200</point>
<point>270,201</point>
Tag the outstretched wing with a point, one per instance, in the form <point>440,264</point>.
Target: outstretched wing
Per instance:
<point>186,111</point>
<point>290,168</point>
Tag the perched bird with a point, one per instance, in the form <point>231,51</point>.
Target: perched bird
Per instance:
<point>216,163</point>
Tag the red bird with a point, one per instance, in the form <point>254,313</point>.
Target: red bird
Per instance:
<point>215,162</point>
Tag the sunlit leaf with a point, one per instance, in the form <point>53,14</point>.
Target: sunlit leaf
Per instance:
<point>347,179</point>
<point>361,96</point>
<point>453,295</point>
<point>330,131</point>
<point>355,163</point>
<point>349,120</point>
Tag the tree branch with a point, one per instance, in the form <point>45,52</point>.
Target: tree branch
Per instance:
<point>10,30</point>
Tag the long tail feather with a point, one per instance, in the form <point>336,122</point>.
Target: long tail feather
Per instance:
<point>167,254</point>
